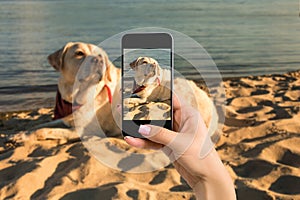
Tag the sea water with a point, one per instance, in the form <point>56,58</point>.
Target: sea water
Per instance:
<point>243,37</point>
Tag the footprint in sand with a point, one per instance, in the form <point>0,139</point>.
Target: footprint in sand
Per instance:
<point>286,185</point>
<point>159,178</point>
<point>183,187</point>
<point>12,173</point>
<point>162,106</point>
<point>134,194</point>
<point>107,191</point>
<point>243,192</point>
<point>290,158</point>
<point>254,169</point>
<point>259,92</point>
<point>250,109</point>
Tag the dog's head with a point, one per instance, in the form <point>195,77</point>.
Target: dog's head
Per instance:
<point>79,62</point>
<point>147,75</point>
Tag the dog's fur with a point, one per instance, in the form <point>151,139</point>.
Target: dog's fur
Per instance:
<point>98,72</point>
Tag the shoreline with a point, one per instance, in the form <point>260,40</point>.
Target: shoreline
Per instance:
<point>18,97</point>
<point>290,73</point>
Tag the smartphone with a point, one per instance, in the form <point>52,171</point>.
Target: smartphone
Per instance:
<point>147,81</point>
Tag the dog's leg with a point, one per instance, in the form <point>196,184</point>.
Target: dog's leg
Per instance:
<point>134,101</point>
<point>66,122</point>
<point>59,130</point>
<point>61,135</point>
<point>59,123</point>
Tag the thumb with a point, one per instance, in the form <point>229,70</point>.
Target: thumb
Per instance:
<point>157,134</point>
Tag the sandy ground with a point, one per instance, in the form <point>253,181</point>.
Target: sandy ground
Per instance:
<point>145,111</point>
<point>260,147</point>
<point>149,111</point>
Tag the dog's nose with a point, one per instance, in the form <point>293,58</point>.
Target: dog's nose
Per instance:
<point>95,60</point>
<point>81,79</point>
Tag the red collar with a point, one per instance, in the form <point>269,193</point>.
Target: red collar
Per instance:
<point>62,107</point>
<point>158,81</point>
<point>108,93</point>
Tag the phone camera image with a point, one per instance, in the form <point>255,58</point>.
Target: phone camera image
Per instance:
<point>147,84</point>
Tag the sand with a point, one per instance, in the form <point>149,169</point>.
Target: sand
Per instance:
<point>148,111</point>
<point>260,147</point>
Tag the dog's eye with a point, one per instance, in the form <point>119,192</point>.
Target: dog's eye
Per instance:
<point>79,53</point>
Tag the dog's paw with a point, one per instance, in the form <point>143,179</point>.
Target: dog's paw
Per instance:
<point>129,103</point>
<point>61,135</point>
<point>133,102</point>
<point>19,138</point>
<point>24,136</point>
<point>41,134</point>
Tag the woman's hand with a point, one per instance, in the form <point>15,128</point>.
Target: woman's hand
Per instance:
<point>196,161</point>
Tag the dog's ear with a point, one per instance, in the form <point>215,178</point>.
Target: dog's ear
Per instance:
<point>108,64</point>
<point>133,63</point>
<point>56,59</point>
<point>156,67</point>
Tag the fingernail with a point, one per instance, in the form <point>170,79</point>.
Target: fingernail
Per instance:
<point>144,130</point>
<point>127,137</point>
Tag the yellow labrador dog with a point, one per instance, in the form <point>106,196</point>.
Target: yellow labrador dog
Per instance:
<point>152,85</point>
<point>85,72</point>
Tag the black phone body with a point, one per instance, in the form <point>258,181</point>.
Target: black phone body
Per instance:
<point>147,63</point>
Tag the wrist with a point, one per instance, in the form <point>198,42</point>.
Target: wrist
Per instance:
<point>216,183</point>
<point>213,189</point>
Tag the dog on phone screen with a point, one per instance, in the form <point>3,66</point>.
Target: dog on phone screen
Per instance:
<point>152,84</point>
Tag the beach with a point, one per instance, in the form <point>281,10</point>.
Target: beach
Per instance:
<point>254,45</point>
<point>242,37</point>
<point>259,147</point>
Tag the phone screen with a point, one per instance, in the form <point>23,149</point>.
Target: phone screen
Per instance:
<point>147,81</point>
